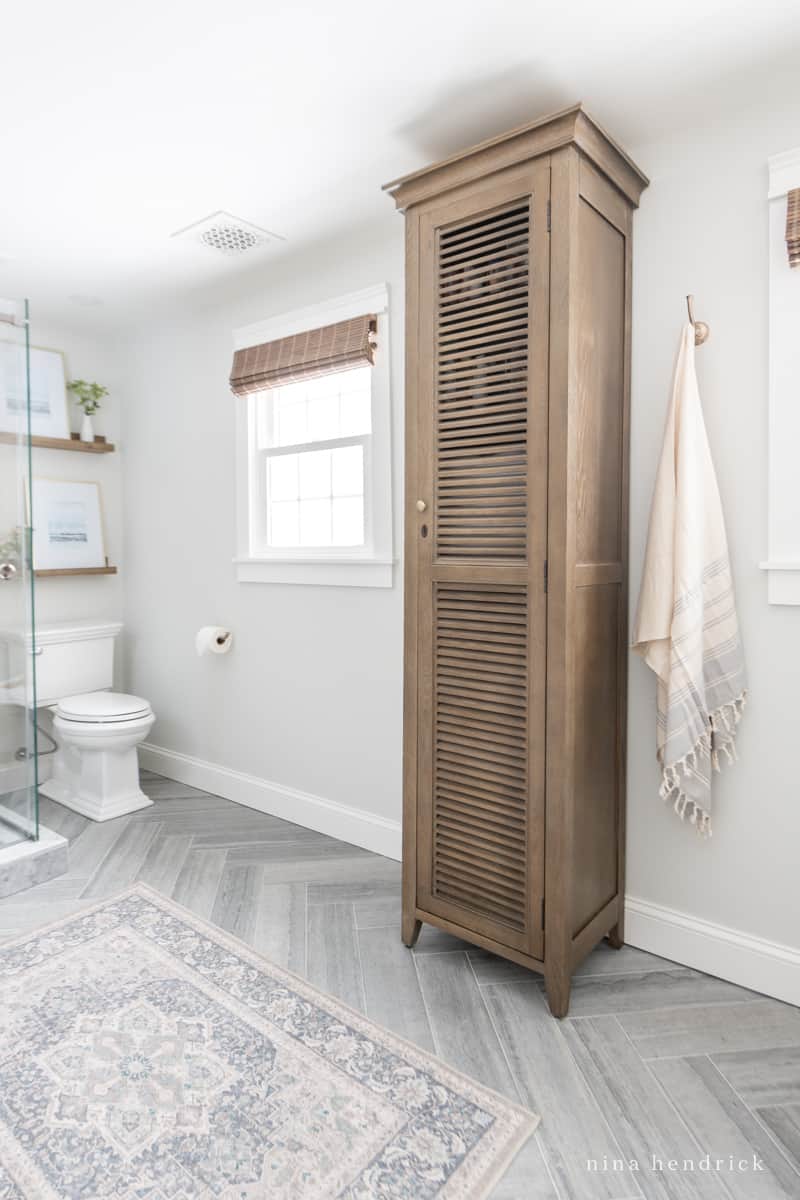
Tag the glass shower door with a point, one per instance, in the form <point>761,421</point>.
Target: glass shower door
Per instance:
<point>19,816</point>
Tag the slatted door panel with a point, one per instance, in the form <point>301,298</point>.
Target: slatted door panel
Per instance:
<point>482,450</point>
<point>480,751</point>
<point>482,386</point>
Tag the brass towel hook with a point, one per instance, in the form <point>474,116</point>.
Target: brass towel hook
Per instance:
<point>701,330</point>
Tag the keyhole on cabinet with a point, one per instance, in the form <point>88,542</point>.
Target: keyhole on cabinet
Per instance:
<point>423,531</point>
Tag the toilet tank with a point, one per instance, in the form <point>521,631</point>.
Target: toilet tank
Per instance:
<point>73,657</point>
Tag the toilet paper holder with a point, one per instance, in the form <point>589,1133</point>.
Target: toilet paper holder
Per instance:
<point>213,639</point>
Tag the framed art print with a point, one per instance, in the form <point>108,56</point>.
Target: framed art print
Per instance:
<point>67,525</point>
<point>49,412</point>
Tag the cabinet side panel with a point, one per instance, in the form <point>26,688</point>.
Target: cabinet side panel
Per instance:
<point>600,535</point>
<point>600,362</point>
<point>594,875</point>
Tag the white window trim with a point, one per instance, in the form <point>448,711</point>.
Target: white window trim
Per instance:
<point>782,566</point>
<point>372,566</point>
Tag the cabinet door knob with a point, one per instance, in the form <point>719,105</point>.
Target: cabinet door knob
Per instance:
<point>421,506</point>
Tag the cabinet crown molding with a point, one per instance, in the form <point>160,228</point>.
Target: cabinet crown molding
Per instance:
<point>571,126</point>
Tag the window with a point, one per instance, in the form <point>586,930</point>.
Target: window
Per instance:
<point>315,464</point>
<point>314,440</point>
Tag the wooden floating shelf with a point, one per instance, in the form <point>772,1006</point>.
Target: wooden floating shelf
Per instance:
<point>75,571</point>
<point>98,446</point>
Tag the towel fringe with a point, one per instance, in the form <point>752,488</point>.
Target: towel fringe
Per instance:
<point>720,736</point>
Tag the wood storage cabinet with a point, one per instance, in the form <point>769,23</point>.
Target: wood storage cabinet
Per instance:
<point>518,277</point>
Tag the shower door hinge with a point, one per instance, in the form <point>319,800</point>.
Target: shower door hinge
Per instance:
<point>544,574</point>
<point>548,216</point>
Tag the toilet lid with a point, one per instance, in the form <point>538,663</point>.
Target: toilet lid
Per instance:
<point>102,706</point>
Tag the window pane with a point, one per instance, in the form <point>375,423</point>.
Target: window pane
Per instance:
<point>282,477</point>
<point>315,522</point>
<point>315,410</point>
<point>291,424</point>
<point>316,498</point>
<point>348,521</point>
<point>323,417</point>
<point>315,474</point>
<point>284,525</point>
<point>348,471</point>
<point>264,412</point>
<point>320,385</point>
<point>356,415</point>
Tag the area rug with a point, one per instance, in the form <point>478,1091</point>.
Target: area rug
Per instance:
<point>147,1055</point>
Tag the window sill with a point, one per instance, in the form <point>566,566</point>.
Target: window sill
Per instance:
<point>322,571</point>
<point>783,580</point>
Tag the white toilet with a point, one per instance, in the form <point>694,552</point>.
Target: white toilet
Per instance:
<point>95,769</point>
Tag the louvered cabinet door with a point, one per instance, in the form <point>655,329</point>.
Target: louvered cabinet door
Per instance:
<point>482,476</point>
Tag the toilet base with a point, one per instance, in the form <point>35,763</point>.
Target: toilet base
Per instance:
<point>97,808</point>
<point>96,769</point>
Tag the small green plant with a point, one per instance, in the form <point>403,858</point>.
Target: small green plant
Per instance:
<point>87,395</point>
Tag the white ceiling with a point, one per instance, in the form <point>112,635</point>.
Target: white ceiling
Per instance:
<point>122,123</point>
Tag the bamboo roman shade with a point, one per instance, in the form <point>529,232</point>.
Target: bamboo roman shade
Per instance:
<point>793,227</point>
<point>305,355</point>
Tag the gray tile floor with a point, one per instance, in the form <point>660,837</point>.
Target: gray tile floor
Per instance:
<point>655,1059</point>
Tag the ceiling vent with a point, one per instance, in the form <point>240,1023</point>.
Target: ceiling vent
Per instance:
<point>226,233</point>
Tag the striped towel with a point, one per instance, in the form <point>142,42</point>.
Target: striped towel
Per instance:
<point>686,627</point>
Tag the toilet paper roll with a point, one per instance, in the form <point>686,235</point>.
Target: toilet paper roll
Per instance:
<point>213,639</point>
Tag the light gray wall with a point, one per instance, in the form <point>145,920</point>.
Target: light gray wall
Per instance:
<point>311,695</point>
<point>703,228</point>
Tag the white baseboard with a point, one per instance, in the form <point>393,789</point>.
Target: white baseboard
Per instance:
<point>751,962</point>
<point>352,825</point>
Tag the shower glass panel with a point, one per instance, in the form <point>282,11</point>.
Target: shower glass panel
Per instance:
<point>19,815</point>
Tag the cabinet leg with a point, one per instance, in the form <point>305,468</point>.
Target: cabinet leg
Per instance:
<point>616,935</point>
<point>557,985</point>
<point>410,930</point>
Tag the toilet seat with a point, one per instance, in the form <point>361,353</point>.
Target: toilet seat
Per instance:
<point>102,708</point>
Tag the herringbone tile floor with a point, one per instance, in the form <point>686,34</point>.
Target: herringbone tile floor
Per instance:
<point>654,1060</point>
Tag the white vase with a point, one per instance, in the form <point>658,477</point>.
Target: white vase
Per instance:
<point>87,429</point>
